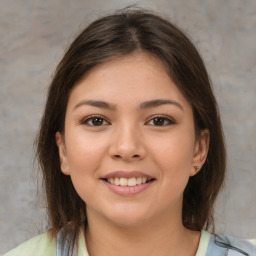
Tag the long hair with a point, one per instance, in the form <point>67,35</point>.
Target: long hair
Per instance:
<point>123,33</point>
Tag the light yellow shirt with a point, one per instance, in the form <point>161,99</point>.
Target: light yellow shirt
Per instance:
<point>44,245</point>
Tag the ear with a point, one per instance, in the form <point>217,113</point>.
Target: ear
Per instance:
<point>62,153</point>
<point>200,152</point>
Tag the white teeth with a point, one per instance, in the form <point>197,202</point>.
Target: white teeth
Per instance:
<point>139,180</point>
<point>117,182</point>
<point>123,182</point>
<point>130,182</point>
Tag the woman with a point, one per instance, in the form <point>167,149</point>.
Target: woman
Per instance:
<point>131,146</point>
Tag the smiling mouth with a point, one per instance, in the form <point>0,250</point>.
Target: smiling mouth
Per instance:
<point>128,182</point>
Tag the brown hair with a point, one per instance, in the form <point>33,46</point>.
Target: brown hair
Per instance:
<point>123,33</point>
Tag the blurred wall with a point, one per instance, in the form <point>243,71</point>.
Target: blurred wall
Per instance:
<point>33,37</point>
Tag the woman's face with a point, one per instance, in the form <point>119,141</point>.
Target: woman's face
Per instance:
<point>129,143</point>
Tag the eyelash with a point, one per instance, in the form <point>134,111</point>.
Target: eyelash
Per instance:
<point>90,118</point>
<point>167,119</point>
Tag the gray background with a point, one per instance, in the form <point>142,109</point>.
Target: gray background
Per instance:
<point>33,37</point>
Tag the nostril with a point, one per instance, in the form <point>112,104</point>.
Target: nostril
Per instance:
<point>132,157</point>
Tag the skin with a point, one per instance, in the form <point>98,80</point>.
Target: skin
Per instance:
<point>127,138</point>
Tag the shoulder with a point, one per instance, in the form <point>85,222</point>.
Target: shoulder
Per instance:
<point>228,245</point>
<point>253,241</point>
<point>41,245</point>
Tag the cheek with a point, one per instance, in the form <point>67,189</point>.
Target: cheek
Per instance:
<point>84,152</point>
<point>174,153</point>
<point>84,156</point>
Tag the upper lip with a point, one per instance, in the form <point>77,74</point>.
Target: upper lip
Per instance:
<point>126,174</point>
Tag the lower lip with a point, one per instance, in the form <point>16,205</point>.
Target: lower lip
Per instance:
<point>128,191</point>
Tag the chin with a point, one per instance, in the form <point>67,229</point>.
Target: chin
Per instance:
<point>129,217</point>
<point>128,222</point>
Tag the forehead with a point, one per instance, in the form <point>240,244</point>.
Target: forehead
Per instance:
<point>137,77</point>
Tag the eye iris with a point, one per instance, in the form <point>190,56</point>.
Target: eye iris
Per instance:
<point>97,121</point>
<point>158,121</point>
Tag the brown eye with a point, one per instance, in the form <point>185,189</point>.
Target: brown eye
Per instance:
<point>95,121</point>
<point>160,121</point>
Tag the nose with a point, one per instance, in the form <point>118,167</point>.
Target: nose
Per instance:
<point>127,144</point>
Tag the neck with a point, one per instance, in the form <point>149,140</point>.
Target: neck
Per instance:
<point>159,237</point>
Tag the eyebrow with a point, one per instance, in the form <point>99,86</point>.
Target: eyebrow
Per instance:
<point>144,105</point>
<point>96,103</point>
<point>159,102</point>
